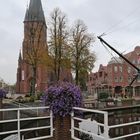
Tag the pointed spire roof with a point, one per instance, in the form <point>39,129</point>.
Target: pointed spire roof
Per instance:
<point>20,56</point>
<point>35,11</point>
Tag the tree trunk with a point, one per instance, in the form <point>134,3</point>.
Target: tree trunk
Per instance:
<point>77,77</point>
<point>33,82</point>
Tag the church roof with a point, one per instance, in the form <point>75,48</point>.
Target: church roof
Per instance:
<point>35,11</point>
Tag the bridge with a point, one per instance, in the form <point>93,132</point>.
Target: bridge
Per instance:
<point>94,124</point>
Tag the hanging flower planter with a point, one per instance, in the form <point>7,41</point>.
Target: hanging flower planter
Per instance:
<point>2,95</point>
<point>62,97</point>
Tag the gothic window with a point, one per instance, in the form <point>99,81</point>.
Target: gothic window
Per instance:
<point>22,75</point>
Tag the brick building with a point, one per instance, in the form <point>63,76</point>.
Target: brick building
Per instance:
<point>34,17</point>
<point>116,76</point>
<point>35,42</point>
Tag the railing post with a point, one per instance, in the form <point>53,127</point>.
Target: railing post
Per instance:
<point>51,122</point>
<point>106,128</point>
<point>18,117</point>
<point>37,114</point>
<point>1,116</point>
<point>22,137</point>
<point>72,124</point>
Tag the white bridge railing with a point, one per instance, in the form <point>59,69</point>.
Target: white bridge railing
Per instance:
<point>95,123</point>
<point>89,127</point>
<point>92,126</point>
<point>18,119</point>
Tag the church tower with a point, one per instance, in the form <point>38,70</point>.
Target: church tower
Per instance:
<point>34,49</point>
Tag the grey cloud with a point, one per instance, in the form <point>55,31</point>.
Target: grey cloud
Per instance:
<point>98,15</point>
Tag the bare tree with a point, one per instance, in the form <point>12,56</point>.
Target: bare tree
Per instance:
<point>82,59</point>
<point>35,52</point>
<point>58,41</point>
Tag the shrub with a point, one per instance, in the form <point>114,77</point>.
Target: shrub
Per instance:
<point>32,99</point>
<point>103,95</point>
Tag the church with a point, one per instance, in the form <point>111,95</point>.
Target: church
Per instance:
<point>33,53</point>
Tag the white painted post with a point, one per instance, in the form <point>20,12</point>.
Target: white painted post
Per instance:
<point>106,128</point>
<point>37,114</point>
<point>51,122</point>
<point>72,124</point>
<point>22,137</point>
<point>18,117</point>
<point>134,93</point>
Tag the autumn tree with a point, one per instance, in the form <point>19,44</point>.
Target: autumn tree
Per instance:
<point>70,48</point>
<point>35,52</point>
<point>58,38</point>
<point>82,59</point>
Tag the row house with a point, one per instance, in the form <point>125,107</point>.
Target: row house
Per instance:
<point>115,78</point>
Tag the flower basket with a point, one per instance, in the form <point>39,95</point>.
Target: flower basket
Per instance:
<point>2,95</point>
<point>62,128</point>
<point>62,97</point>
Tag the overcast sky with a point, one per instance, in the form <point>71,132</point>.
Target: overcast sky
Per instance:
<point>119,19</point>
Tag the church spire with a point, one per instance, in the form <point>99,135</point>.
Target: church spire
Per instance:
<point>20,56</point>
<point>35,11</point>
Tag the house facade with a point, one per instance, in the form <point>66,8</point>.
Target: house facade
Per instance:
<point>115,78</point>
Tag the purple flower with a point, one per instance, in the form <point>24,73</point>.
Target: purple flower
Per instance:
<point>62,97</point>
<point>2,93</point>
